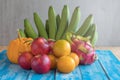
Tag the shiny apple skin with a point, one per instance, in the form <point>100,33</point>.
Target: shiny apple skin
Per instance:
<point>41,64</point>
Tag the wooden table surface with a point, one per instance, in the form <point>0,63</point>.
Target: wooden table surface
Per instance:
<point>103,66</point>
<point>115,50</point>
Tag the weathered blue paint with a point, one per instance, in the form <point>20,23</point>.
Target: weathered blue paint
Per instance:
<point>110,64</point>
<point>11,71</point>
<point>48,76</point>
<point>3,55</point>
<point>74,75</point>
<point>92,72</point>
<point>107,67</point>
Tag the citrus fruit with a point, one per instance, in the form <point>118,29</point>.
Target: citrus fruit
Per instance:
<point>75,57</point>
<point>65,64</point>
<point>61,48</point>
<point>53,61</point>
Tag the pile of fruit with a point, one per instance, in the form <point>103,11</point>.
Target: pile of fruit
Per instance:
<point>60,43</point>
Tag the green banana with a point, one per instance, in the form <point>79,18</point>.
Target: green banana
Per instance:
<point>94,35</point>
<point>47,27</point>
<point>74,21</point>
<point>26,33</point>
<point>52,22</point>
<point>29,29</point>
<point>21,32</point>
<point>58,21</point>
<point>85,26</point>
<point>95,39</point>
<point>64,22</point>
<point>40,26</point>
<point>89,31</point>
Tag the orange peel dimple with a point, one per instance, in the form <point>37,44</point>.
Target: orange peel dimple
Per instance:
<point>65,64</point>
<point>61,48</point>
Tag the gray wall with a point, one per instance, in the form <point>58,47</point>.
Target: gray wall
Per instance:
<point>106,16</point>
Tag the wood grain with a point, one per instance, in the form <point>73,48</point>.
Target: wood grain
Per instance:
<point>74,75</point>
<point>115,50</point>
<point>3,48</point>
<point>48,76</point>
<point>93,71</point>
<point>105,68</point>
<point>109,63</point>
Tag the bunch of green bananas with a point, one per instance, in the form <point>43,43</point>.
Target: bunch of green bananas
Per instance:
<point>57,26</point>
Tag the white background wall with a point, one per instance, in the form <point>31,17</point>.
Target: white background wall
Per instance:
<point>106,15</point>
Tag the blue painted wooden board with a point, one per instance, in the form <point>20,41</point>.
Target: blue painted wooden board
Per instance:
<point>107,67</point>
<point>110,64</point>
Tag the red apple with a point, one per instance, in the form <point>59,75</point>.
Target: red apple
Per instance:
<point>40,63</point>
<point>24,60</point>
<point>40,46</point>
<point>51,43</point>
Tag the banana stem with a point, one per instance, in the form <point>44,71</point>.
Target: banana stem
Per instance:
<point>68,37</point>
<point>19,37</point>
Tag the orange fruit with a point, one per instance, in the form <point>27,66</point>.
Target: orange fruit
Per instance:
<point>61,48</point>
<point>53,61</point>
<point>65,64</point>
<point>75,57</point>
